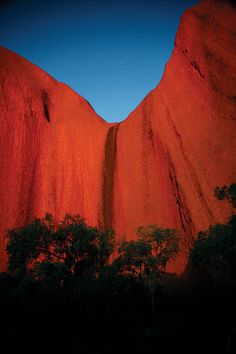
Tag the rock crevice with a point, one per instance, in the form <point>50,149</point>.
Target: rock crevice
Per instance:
<point>109,166</point>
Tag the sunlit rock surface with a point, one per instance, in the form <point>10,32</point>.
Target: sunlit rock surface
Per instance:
<point>160,165</point>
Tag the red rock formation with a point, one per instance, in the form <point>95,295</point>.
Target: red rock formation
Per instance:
<point>160,165</point>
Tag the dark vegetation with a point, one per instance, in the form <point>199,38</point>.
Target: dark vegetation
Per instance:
<point>71,288</point>
<point>228,193</point>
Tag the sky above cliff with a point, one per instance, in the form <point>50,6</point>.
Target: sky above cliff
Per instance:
<point>111,52</point>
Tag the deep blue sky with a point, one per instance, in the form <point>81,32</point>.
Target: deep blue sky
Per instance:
<point>111,52</point>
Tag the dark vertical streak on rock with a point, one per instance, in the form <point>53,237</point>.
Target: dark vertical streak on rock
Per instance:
<point>184,213</point>
<point>190,168</point>
<point>148,150</point>
<point>197,68</point>
<point>45,106</point>
<point>109,177</point>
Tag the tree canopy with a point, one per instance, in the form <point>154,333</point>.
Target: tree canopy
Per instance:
<point>61,251</point>
<point>151,251</point>
<point>228,193</point>
<point>148,256</point>
<point>214,253</point>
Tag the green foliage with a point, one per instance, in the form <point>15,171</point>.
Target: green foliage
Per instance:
<point>60,252</point>
<point>147,257</point>
<point>72,255</point>
<point>228,193</point>
<point>24,244</point>
<point>154,248</point>
<point>214,253</point>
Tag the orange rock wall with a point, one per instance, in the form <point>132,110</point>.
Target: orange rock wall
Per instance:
<point>160,165</point>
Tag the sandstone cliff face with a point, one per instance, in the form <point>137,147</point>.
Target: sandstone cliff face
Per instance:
<point>52,147</point>
<point>160,165</point>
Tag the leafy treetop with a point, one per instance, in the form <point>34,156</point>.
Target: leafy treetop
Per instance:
<point>65,250</point>
<point>228,193</point>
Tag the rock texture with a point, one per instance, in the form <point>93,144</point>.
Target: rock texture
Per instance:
<point>160,165</point>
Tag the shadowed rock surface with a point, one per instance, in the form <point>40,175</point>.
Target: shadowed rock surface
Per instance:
<point>160,165</point>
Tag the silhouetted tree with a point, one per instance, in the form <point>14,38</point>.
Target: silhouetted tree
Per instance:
<point>59,252</point>
<point>147,257</point>
<point>228,193</point>
<point>214,253</point>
